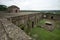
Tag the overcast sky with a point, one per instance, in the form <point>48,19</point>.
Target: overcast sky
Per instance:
<point>34,4</point>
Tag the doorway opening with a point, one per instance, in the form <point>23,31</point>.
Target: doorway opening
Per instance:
<point>16,11</point>
<point>32,24</point>
<point>51,17</point>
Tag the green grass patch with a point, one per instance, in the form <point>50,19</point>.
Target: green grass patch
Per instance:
<point>40,22</point>
<point>38,33</point>
<point>42,34</point>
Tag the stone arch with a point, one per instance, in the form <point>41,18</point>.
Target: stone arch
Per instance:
<point>52,17</point>
<point>32,24</point>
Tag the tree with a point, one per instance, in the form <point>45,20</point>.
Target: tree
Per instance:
<point>3,7</point>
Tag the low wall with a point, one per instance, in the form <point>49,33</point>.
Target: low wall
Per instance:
<point>9,31</point>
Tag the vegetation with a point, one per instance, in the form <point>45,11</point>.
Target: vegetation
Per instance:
<point>21,26</point>
<point>42,34</point>
<point>41,22</point>
<point>3,7</point>
<point>38,33</point>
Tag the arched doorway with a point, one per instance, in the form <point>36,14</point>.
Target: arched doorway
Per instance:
<point>32,24</point>
<point>51,17</point>
<point>16,11</point>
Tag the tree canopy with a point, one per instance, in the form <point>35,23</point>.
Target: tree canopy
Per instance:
<point>3,7</point>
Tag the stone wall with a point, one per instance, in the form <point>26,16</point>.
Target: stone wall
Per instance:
<point>9,31</point>
<point>52,16</point>
<point>13,9</point>
<point>29,21</point>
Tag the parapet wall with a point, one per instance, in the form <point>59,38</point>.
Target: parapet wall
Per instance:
<point>9,31</point>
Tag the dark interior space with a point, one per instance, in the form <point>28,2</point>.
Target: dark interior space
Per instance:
<point>32,24</point>
<point>51,17</point>
<point>48,24</point>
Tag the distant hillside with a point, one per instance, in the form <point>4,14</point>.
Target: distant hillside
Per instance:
<point>40,10</point>
<point>45,11</point>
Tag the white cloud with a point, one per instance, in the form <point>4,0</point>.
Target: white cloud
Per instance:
<point>34,4</point>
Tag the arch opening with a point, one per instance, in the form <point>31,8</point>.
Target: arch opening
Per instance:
<point>32,24</point>
<point>51,17</point>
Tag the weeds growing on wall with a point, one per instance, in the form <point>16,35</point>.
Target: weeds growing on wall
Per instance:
<point>42,21</point>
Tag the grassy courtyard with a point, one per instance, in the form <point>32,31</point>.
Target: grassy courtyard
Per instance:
<point>38,33</point>
<point>42,34</point>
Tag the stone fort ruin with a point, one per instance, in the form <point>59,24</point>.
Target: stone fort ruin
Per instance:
<point>14,17</point>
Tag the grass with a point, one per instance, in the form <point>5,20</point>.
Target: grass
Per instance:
<point>38,33</point>
<point>41,22</point>
<point>42,34</point>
